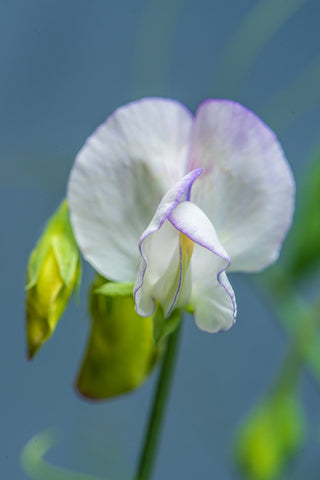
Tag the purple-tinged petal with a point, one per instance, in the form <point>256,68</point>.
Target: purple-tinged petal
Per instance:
<point>158,276</point>
<point>247,188</point>
<point>119,178</point>
<point>212,297</point>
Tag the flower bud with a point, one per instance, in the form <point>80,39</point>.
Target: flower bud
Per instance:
<point>54,269</point>
<point>121,351</point>
<point>270,437</point>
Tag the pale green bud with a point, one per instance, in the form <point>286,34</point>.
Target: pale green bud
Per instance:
<point>121,350</point>
<point>270,437</point>
<point>54,270</point>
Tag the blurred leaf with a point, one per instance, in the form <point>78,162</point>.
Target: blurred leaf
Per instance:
<point>304,239</point>
<point>54,271</point>
<point>121,351</point>
<point>270,437</point>
<point>36,468</point>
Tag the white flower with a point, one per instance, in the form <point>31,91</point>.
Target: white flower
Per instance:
<point>170,201</point>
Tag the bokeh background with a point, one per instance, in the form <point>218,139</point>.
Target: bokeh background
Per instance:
<point>65,66</point>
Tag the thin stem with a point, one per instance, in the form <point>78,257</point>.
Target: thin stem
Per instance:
<point>298,351</point>
<point>300,320</point>
<point>152,436</point>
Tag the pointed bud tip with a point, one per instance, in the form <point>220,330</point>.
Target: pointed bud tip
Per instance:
<point>30,353</point>
<point>33,346</point>
<point>54,271</point>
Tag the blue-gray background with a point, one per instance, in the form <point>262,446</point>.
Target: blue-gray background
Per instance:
<point>65,66</point>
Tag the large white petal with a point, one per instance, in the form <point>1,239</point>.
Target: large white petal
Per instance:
<point>120,176</point>
<point>247,188</point>
<point>212,297</point>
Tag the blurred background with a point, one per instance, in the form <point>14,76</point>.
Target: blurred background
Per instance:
<point>65,66</point>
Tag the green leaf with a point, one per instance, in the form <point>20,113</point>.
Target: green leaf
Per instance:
<point>121,351</point>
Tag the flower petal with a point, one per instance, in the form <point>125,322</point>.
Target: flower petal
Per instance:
<point>247,189</point>
<point>212,297</point>
<point>213,301</point>
<point>158,276</point>
<point>119,178</point>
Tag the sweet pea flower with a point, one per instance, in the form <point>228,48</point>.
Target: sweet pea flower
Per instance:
<point>169,201</point>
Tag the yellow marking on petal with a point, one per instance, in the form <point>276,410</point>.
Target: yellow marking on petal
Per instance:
<point>186,251</point>
<point>175,286</point>
<point>187,246</point>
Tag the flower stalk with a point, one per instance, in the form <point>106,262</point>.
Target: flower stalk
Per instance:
<point>160,399</point>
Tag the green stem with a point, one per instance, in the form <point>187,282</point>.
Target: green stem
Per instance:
<point>152,436</point>
<point>299,319</point>
<point>296,354</point>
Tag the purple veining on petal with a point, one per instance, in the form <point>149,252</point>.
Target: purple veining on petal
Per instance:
<point>222,254</point>
<point>167,204</point>
<point>188,192</point>
<point>232,298</point>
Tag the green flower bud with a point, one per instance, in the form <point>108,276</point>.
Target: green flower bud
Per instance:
<point>54,269</point>
<point>270,437</point>
<point>121,350</point>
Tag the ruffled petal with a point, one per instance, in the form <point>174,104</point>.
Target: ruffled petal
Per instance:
<point>247,189</point>
<point>183,262</point>
<point>213,300</point>
<point>119,178</point>
<point>212,297</point>
<point>159,275</point>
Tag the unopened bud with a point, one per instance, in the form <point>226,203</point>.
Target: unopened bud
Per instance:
<point>54,269</point>
<point>270,437</point>
<point>121,350</point>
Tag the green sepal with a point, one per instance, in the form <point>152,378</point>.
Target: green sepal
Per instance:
<point>54,271</point>
<point>67,256</point>
<point>113,289</point>
<point>120,353</point>
<point>57,234</point>
<point>162,327</point>
<point>270,437</point>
